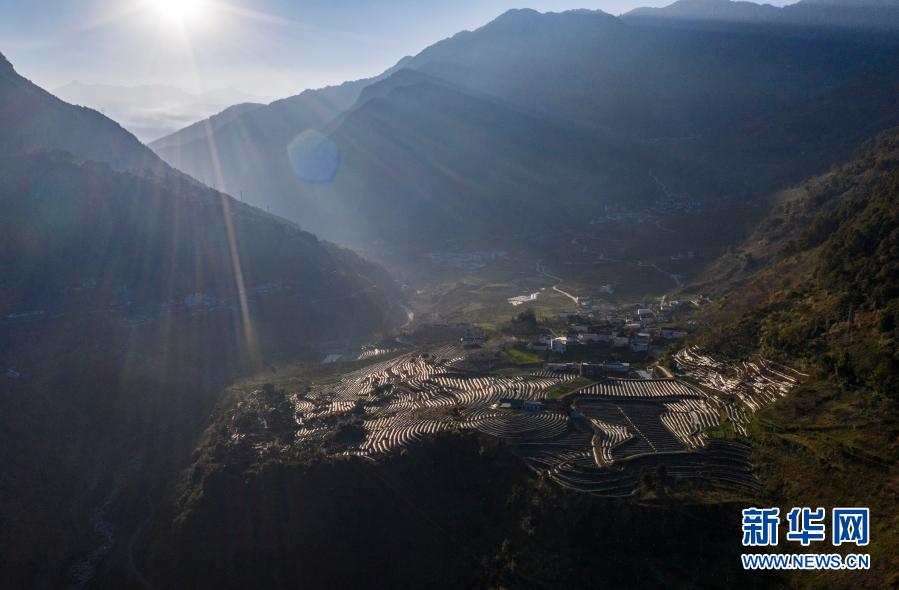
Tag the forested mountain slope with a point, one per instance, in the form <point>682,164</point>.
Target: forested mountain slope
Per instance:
<point>817,287</point>
<point>819,279</point>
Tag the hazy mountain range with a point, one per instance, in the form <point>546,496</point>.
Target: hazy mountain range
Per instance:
<point>151,111</point>
<point>872,15</point>
<point>553,112</point>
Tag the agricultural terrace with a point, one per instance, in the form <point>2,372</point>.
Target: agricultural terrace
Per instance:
<point>598,438</point>
<point>744,387</point>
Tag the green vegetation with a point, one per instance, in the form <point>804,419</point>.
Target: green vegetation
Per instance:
<point>825,297</point>
<point>830,445</point>
<point>525,323</point>
<point>517,356</point>
<point>724,431</point>
<point>828,297</point>
<point>566,388</point>
<point>485,302</point>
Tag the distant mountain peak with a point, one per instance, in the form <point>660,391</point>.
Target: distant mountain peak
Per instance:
<point>851,3</point>
<point>703,9</point>
<point>4,64</point>
<point>519,16</point>
<point>517,13</point>
<point>865,14</point>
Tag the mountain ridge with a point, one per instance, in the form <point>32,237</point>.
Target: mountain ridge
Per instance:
<point>26,108</point>
<point>882,15</point>
<point>692,106</point>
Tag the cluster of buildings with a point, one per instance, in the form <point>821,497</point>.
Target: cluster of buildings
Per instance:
<point>637,330</point>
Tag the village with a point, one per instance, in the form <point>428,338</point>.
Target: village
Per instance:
<point>637,330</point>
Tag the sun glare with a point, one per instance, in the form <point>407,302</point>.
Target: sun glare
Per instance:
<point>179,11</point>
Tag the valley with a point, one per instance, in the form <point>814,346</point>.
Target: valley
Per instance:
<point>547,303</point>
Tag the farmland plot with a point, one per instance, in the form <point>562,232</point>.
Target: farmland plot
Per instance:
<point>596,439</point>
<point>745,387</point>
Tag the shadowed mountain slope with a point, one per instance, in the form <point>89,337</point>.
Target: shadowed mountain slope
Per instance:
<point>421,161</point>
<point>817,286</point>
<point>563,112</point>
<point>33,119</point>
<point>130,295</point>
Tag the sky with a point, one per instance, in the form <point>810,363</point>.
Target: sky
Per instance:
<point>265,48</point>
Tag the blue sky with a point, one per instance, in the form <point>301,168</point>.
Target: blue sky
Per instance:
<point>266,48</point>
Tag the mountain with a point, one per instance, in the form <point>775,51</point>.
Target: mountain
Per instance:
<point>622,104</point>
<point>150,111</point>
<point>711,10</point>
<point>131,296</point>
<point>81,237</point>
<point>651,83</point>
<point>816,283</point>
<point>244,139</point>
<point>873,15</point>
<point>33,119</point>
<point>817,286</point>
<point>500,527</point>
<point>67,177</point>
<point>491,157</point>
<point>418,157</point>
<point>200,129</point>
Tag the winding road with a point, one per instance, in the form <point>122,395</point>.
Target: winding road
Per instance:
<point>541,270</point>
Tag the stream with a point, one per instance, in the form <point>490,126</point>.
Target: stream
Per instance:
<point>84,571</point>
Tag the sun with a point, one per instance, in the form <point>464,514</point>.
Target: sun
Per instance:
<point>179,11</point>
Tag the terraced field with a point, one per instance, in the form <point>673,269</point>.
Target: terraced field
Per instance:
<point>597,439</point>
<point>401,401</point>
<point>745,387</point>
<point>721,463</point>
<point>621,427</point>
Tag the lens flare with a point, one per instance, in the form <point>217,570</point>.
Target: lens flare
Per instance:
<point>314,157</point>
